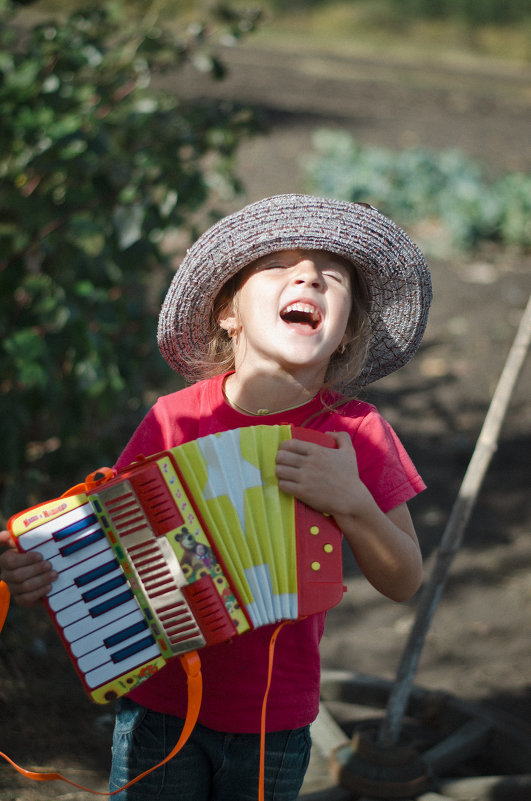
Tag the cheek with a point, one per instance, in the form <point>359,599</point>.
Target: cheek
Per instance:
<point>256,302</point>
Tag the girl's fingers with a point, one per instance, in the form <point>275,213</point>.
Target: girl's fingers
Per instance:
<point>28,576</point>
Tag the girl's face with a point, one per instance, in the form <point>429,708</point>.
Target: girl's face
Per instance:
<point>291,310</point>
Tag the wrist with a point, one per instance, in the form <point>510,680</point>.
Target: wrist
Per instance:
<point>356,510</point>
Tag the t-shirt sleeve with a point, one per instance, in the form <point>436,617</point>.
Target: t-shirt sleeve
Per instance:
<point>385,467</point>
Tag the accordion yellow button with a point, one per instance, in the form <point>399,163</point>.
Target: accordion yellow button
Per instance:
<point>314,530</point>
<point>328,548</point>
<point>316,565</point>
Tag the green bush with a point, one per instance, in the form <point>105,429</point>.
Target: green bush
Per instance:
<point>97,166</point>
<point>418,184</point>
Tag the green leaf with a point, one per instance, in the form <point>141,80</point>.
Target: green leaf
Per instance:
<point>97,165</point>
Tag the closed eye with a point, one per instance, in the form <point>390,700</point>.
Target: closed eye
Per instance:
<point>336,275</point>
<point>270,266</point>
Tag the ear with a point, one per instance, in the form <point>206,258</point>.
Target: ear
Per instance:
<point>228,319</point>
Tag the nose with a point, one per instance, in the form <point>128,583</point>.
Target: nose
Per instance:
<point>306,273</point>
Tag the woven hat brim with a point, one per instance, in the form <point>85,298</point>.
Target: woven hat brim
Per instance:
<point>397,275</point>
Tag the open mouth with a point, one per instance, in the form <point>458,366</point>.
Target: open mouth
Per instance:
<point>301,314</point>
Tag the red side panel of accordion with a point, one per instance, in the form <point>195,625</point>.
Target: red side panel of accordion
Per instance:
<point>319,562</point>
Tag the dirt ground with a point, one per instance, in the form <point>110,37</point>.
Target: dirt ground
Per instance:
<point>479,643</point>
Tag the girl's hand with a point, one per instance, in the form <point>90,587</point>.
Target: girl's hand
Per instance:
<point>27,575</point>
<point>327,479</point>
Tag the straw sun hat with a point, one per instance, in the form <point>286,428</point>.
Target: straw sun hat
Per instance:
<point>395,271</point>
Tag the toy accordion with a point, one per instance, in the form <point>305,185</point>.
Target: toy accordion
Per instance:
<point>183,549</point>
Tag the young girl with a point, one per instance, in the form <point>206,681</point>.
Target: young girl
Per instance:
<point>279,314</point>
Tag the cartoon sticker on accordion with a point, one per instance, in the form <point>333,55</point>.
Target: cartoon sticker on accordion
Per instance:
<point>181,550</point>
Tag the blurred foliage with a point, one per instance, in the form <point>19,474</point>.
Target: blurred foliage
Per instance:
<point>418,184</point>
<point>495,28</point>
<point>452,28</point>
<point>475,12</point>
<point>97,167</point>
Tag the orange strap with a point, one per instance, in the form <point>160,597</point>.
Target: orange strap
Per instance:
<point>4,602</point>
<point>192,666</point>
<point>272,643</point>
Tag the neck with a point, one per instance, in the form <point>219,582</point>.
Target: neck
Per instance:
<point>260,396</point>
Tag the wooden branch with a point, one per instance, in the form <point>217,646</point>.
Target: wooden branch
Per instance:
<point>453,533</point>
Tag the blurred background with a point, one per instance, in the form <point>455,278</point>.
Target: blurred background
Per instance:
<point>126,129</point>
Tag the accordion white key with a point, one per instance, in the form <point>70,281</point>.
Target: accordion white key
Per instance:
<point>187,548</point>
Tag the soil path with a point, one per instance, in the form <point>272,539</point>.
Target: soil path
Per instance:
<point>480,107</point>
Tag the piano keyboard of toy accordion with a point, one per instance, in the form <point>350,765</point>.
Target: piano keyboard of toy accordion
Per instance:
<point>187,548</point>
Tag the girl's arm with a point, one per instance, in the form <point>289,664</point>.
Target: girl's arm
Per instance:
<point>386,549</point>
<point>385,545</point>
<point>28,576</point>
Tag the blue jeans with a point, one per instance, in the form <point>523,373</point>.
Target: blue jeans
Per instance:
<point>212,766</point>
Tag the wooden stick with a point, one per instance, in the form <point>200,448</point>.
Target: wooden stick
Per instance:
<point>453,533</point>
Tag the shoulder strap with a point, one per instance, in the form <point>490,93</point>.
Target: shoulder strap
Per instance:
<point>4,602</point>
<point>192,667</point>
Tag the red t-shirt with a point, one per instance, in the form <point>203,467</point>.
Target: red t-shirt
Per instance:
<point>235,673</point>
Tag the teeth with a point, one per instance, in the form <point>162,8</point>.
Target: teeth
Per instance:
<point>305,308</point>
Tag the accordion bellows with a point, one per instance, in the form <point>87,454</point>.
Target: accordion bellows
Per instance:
<point>187,548</point>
